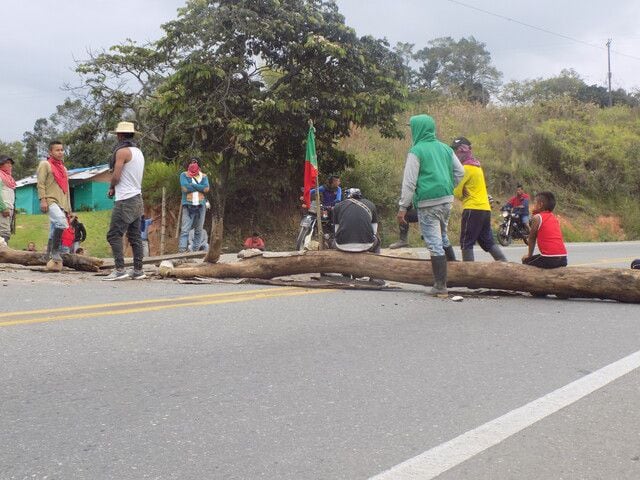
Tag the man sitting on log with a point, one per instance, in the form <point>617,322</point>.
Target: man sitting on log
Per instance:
<point>545,231</point>
<point>356,224</point>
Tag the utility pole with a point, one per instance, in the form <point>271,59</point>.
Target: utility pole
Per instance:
<point>609,69</point>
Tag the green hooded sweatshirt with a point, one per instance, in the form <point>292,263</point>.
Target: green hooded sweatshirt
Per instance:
<point>435,177</point>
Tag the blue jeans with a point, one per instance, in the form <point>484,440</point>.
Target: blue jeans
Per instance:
<point>433,224</point>
<point>57,219</point>
<point>192,217</point>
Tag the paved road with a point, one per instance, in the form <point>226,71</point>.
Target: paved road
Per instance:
<point>159,380</point>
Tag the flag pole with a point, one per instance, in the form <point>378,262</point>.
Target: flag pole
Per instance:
<point>318,206</point>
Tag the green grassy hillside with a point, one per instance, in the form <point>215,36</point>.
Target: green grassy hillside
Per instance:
<point>586,155</point>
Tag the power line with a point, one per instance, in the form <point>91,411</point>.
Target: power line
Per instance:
<point>550,32</point>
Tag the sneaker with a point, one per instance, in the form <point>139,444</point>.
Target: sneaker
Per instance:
<point>136,274</point>
<point>399,244</point>
<point>117,275</point>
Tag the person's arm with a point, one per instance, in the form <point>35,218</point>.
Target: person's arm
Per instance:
<point>533,235</point>
<point>186,185</point>
<point>3,207</point>
<point>204,185</point>
<point>313,190</point>
<point>122,156</point>
<point>339,195</point>
<point>41,175</point>
<point>458,169</point>
<point>409,180</point>
<point>458,192</point>
<point>525,205</point>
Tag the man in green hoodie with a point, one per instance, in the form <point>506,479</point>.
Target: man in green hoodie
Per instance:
<point>431,172</point>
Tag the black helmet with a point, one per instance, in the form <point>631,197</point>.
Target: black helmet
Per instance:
<point>460,141</point>
<point>353,193</point>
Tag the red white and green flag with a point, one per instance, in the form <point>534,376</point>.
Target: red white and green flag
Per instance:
<point>310,165</point>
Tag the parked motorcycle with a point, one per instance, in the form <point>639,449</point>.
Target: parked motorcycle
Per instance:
<point>309,228</point>
<point>511,227</point>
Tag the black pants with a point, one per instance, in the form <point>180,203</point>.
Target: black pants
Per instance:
<point>476,227</point>
<point>546,262</point>
<point>125,218</point>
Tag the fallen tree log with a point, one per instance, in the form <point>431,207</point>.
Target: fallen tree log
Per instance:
<point>571,282</point>
<point>23,257</point>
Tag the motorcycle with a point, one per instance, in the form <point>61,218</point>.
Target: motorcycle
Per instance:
<point>511,228</point>
<point>309,228</point>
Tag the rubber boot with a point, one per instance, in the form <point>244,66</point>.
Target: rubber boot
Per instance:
<point>467,255</point>
<point>439,266</point>
<point>496,253</point>
<point>450,253</point>
<point>404,236</point>
<point>55,264</point>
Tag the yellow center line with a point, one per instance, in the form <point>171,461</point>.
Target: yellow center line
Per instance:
<point>256,296</point>
<point>139,302</point>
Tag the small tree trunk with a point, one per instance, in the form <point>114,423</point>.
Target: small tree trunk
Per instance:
<point>578,282</point>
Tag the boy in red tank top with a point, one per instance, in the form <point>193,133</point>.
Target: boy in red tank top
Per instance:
<point>545,231</point>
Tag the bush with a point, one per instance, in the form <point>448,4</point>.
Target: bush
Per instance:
<point>158,175</point>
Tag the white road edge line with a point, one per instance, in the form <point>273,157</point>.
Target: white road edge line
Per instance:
<point>445,456</point>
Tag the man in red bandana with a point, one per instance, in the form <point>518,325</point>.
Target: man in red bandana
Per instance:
<point>55,199</point>
<point>194,184</point>
<point>7,196</point>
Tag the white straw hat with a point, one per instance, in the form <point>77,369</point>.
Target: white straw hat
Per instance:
<point>125,127</point>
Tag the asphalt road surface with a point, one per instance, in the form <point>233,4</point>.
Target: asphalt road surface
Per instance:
<point>155,379</point>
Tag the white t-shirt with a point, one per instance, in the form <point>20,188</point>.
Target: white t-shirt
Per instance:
<point>130,183</point>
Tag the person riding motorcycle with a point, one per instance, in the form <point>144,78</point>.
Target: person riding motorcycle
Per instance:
<point>519,204</point>
<point>330,192</point>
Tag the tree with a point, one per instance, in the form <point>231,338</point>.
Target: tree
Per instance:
<point>203,88</point>
<point>36,144</point>
<point>460,68</point>
<point>568,84</point>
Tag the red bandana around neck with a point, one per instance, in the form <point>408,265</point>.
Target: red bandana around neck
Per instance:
<point>7,179</point>
<point>59,173</point>
<point>193,170</point>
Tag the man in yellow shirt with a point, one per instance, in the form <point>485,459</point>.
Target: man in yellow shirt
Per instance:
<point>476,213</point>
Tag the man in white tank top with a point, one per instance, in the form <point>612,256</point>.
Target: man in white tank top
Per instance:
<point>127,167</point>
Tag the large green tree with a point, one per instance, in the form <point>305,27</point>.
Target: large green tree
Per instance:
<point>459,68</point>
<point>237,81</point>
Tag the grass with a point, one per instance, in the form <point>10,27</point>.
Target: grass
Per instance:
<point>35,228</point>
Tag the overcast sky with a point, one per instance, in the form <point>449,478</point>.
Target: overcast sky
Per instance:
<point>41,39</point>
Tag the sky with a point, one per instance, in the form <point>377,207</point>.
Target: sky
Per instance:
<point>42,40</point>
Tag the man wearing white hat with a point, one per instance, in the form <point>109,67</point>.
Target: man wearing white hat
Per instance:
<point>127,167</point>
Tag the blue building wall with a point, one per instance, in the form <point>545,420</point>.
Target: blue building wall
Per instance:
<point>91,196</point>
<point>27,199</point>
<point>85,196</point>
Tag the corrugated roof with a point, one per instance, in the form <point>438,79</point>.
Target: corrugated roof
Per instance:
<point>84,173</point>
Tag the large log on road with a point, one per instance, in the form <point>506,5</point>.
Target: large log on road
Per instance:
<point>22,257</point>
<point>572,282</point>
